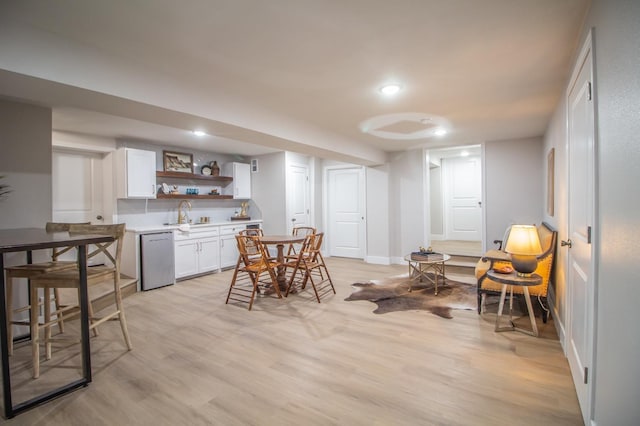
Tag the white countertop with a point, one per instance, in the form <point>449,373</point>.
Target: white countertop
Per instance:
<point>145,229</point>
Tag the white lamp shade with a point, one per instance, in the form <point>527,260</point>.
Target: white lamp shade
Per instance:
<point>523,240</point>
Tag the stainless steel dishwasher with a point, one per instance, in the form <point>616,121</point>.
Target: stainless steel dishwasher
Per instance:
<point>157,267</point>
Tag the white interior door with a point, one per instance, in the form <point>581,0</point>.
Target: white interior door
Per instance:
<point>580,282</point>
<point>345,205</point>
<point>77,187</point>
<point>462,185</point>
<point>297,196</point>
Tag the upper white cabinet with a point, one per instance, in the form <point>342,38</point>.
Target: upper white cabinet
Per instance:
<point>135,173</point>
<point>240,188</point>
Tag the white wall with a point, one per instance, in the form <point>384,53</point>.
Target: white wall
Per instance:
<point>25,132</point>
<point>268,192</point>
<point>436,202</point>
<point>377,214</point>
<point>513,191</point>
<point>556,137</point>
<point>25,163</point>
<point>407,215</point>
<point>617,91</point>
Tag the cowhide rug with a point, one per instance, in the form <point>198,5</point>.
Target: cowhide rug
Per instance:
<point>392,294</point>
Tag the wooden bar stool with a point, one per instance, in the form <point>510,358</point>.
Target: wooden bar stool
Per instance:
<point>70,278</point>
<point>31,270</point>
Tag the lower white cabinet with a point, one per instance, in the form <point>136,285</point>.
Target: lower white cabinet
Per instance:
<point>196,252</point>
<point>228,245</point>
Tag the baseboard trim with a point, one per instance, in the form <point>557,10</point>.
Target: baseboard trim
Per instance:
<point>551,299</point>
<point>378,260</point>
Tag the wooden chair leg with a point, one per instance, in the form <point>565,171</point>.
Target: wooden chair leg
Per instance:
<point>59,315</point>
<point>254,282</point>
<point>9,304</point>
<point>233,280</point>
<point>35,340</point>
<point>46,300</point>
<point>91,318</point>
<point>121,317</point>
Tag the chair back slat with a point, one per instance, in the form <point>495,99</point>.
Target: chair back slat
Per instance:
<point>111,250</point>
<point>252,232</point>
<point>61,227</point>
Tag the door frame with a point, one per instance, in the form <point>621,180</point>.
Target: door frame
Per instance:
<point>325,205</point>
<point>427,153</point>
<point>307,194</point>
<point>586,50</point>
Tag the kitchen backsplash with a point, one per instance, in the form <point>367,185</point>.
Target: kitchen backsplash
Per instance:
<point>157,212</point>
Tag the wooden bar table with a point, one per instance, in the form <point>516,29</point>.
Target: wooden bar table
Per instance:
<point>280,241</point>
<point>27,240</point>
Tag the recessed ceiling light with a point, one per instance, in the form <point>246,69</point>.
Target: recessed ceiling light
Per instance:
<point>390,89</point>
<point>440,132</point>
<point>199,133</point>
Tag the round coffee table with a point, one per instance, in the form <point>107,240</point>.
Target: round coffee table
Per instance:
<point>420,264</point>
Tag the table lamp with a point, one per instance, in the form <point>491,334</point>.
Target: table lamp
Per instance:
<point>524,246</point>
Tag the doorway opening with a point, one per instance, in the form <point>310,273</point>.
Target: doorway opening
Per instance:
<point>455,200</point>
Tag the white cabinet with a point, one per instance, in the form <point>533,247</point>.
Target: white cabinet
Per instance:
<point>196,252</point>
<point>240,188</point>
<point>135,173</point>
<point>229,245</point>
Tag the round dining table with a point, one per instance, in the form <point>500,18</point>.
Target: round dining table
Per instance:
<point>280,241</point>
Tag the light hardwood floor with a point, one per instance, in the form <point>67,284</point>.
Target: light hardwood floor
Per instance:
<point>197,361</point>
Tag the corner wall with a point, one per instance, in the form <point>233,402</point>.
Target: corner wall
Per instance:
<point>512,192</point>
<point>25,133</point>
<point>617,229</point>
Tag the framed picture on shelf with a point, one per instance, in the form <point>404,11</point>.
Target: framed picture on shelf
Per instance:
<point>177,162</point>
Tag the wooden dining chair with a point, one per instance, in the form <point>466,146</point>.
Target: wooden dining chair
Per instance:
<point>309,267</point>
<point>251,267</point>
<point>252,232</point>
<point>298,231</point>
<point>111,252</point>
<point>30,270</point>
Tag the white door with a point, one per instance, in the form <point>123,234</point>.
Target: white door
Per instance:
<point>462,183</point>
<point>297,196</point>
<point>77,187</point>
<point>345,205</point>
<point>580,283</point>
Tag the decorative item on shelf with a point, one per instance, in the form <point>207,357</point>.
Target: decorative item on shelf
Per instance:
<point>524,246</point>
<point>164,189</point>
<point>205,170</point>
<point>214,191</point>
<point>242,215</point>
<point>244,206</point>
<point>177,162</point>
<point>192,191</point>
<point>215,169</point>
<point>174,190</point>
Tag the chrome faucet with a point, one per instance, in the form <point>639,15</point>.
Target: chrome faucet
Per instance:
<point>182,217</point>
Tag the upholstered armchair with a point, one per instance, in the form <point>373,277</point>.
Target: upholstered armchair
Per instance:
<point>498,259</point>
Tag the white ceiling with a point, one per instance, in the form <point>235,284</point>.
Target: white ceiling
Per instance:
<point>493,69</point>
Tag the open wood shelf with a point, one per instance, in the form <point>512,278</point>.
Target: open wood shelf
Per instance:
<point>195,197</point>
<point>220,180</point>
